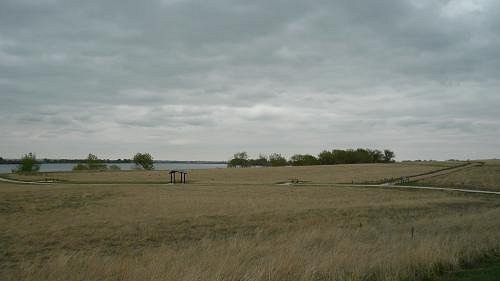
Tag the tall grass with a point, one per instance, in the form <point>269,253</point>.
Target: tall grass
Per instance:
<point>480,177</point>
<point>327,253</point>
<point>239,232</point>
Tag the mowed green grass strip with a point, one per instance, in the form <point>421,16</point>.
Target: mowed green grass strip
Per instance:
<point>489,271</point>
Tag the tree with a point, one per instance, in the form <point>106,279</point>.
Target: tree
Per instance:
<point>145,160</point>
<point>362,155</point>
<point>91,163</point>
<point>240,159</point>
<point>388,156</point>
<point>94,163</point>
<point>262,161</point>
<point>275,159</point>
<point>303,160</point>
<point>326,157</point>
<point>376,155</point>
<point>28,164</point>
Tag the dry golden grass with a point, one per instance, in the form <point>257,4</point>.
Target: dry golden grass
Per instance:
<point>242,231</point>
<point>486,177</point>
<point>322,174</point>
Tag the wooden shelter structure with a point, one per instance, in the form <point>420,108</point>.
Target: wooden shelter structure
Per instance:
<point>183,176</point>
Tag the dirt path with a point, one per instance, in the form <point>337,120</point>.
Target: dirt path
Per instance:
<point>396,184</point>
<point>435,173</point>
<point>2,179</point>
<point>411,187</point>
<point>448,189</point>
<point>384,185</point>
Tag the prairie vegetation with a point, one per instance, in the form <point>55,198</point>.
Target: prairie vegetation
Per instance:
<point>485,177</point>
<point>358,173</point>
<point>219,229</point>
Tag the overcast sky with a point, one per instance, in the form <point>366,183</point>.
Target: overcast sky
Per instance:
<point>200,80</point>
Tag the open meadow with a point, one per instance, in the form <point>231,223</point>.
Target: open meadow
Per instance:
<point>485,177</point>
<point>358,173</point>
<point>238,224</point>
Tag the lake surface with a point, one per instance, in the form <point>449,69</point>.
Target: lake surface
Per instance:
<point>64,167</point>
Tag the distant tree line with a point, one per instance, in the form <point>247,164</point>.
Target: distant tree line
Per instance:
<point>92,163</point>
<point>326,157</point>
<point>141,160</point>
<point>29,164</point>
<point>107,161</point>
<point>62,161</point>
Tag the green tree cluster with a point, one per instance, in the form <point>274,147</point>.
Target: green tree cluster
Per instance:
<point>277,160</point>
<point>260,161</point>
<point>304,160</point>
<point>355,156</point>
<point>240,159</point>
<point>326,157</point>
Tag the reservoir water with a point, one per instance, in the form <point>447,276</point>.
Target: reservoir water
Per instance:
<point>63,167</point>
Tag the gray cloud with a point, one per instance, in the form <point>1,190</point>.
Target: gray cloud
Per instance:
<point>202,79</point>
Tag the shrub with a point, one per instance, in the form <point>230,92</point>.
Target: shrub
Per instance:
<point>114,168</point>
<point>92,163</point>
<point>80,167</point>
<point>28,164</point>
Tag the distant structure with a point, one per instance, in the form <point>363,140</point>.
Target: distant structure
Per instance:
<point>404,180</point>
<point>183,176</point>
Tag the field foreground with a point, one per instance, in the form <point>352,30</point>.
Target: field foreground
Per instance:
<point>359,173</point>
<point>233,231</point>
<point>484,177</point>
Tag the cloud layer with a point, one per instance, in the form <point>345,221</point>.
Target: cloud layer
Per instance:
<point>192,79</point>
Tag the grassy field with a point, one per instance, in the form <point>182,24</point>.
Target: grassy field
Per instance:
<point>219,229</point>
<point>322,174</point>
<point>486,177</point>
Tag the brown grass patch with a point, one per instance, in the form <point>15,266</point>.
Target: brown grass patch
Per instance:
<point>239,232</point>
<point>357,173</point>
<point>486,177</point>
